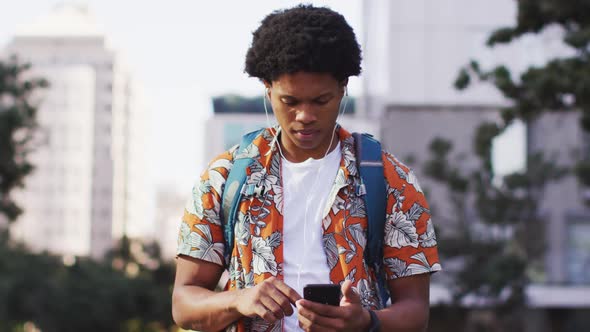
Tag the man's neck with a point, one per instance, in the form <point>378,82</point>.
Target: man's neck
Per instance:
<point>297,155</point>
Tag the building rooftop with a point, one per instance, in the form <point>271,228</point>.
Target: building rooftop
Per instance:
<point>65,20</point>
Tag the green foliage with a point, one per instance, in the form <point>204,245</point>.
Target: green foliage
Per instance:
<point>17,126</point>
<point>86,296</point>
<point>583,172</point>
<point>534,15</point>
<point>439,169</point>
<point>463,79</point>
<point>482,146</point>
<point>437,166</point>
<point>502,35</point>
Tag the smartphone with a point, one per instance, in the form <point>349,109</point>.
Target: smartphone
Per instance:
<point>322,293</point>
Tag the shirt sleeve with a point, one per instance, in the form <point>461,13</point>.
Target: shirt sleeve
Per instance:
<point>201,231</point>
<point>410,245</point>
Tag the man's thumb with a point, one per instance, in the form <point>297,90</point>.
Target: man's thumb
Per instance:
<point>348,293</point>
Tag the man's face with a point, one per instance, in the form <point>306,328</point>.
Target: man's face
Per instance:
<point>306,106</point>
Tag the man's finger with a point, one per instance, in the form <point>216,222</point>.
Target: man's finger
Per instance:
<point>307,317</point>
<point>291,294</point>
<point>325,310</point>
<point>280,298</point>
<point>348,294</point>
<point>265,314</point>
<point>273,307</point>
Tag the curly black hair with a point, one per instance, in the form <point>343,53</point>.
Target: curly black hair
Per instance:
<point>303,38</point>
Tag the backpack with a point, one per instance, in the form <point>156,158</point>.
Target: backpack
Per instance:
<point>372,188</point>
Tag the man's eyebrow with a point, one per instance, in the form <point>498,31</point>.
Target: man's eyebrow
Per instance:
<point>326,94</point>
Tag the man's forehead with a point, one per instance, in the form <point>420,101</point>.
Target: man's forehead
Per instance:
<point>309,85</point>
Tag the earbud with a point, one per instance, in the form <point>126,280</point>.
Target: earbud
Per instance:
<point>342,106</point>
<point>274,132</point>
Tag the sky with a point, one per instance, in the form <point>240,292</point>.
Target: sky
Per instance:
<point>183,52</point>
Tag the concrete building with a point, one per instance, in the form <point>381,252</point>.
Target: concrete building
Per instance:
<point>169,205</point>
<point>413,51</point>
<point>90,186</point>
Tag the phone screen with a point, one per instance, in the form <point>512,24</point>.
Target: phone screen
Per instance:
<point>322,293</point>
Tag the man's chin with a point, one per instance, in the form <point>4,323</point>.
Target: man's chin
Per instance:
<point>306,147</point>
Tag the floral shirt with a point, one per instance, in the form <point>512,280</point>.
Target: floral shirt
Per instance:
<point>409,243</point>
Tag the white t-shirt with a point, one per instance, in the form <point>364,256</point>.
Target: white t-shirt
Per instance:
<point>306,187</point>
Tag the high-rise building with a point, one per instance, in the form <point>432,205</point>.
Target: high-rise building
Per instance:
<point>90,185</point>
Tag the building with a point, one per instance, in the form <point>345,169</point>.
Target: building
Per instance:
<point>413,51</point>
<point>90,184</point>
<point>169,205</point>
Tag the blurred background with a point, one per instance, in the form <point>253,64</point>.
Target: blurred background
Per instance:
<point>109,111</point>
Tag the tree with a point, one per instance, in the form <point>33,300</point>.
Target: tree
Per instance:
<point>495,250</point>
<point>83,295</point>
<point>561,85</point>
<point>17,126</point>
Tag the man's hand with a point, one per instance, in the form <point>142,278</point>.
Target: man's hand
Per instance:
<point>270,300</point>
<point>349,316</point>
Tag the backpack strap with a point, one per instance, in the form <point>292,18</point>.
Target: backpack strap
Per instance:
<point>232,191</point>
<point>370,165</point>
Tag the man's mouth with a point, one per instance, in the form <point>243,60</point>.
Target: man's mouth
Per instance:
<point>306,134</point>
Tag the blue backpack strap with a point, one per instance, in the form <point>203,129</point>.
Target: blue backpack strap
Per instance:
<point>370,165</point>
<point>232,191</point>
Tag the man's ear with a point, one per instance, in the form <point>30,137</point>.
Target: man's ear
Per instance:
<point>344,85</point>
<point>267,86</point>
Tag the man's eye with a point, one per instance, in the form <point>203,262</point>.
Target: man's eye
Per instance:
<point>289,102</point>
<point>322,101</point>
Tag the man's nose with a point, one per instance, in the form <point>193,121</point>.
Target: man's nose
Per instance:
<point>306,114</point>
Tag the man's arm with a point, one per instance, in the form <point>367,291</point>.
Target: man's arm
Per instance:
<point>196,306</point>
<point>410,308</point>
<point>194,303</point>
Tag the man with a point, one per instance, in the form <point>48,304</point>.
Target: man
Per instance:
<point>305,223</point>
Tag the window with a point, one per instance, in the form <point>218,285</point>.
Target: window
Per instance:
<point>586,145</point>
<point>578,250</point>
